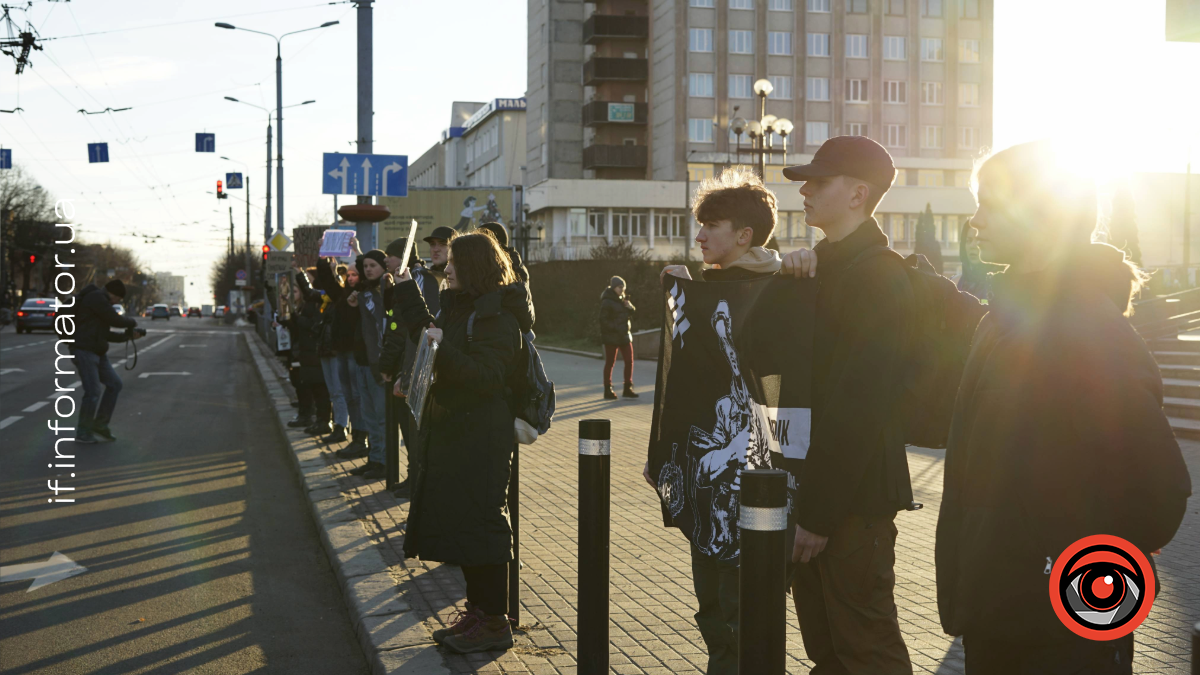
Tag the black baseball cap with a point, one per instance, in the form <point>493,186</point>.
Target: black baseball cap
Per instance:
<point>444,233</point>
<point>855,156</point>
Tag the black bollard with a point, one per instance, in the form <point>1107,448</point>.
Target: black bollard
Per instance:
<point>592,628</point>
<point>391,421</point>
<point>762,615</point>
<point>1196,649</point>
<point>514,517</point>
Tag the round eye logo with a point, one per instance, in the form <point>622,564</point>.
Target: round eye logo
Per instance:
<point>1101,587</point>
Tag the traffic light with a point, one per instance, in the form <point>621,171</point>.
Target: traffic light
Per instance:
<point>32,258</point>
<point>221,190</point>
<point>266,249</point>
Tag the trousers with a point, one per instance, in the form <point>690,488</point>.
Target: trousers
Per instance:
<point>94,371</point>
<point>716,584</point>
<point>371,410</point>
<point>610,359</point>
<point>487,588</point>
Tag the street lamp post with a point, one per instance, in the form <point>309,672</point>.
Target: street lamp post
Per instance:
<point>267,218</point>
<point>762,131</point>
<point>278,103</point>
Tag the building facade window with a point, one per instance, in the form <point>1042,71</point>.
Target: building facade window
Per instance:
<point>620,224</point>
<point>818,89</point>
<point>598,223</point>
<point>931,93</point>
<point>968,139</point>
<point>968,9</point>
<point>931,178</point>
<point>856,6</point>
<point>639,223</point>
<point>931,49</point>
<point>932,8</point>
<point>740,86</point>
<point>895,48</point>
<point>968,95</point>
<point>779,43</point>
<point>782,87</point>
<point>818,44</point>
<point>901,178</point>
<point>699,172</point>
<point>668,225</point>
<point>700,85</point>
<point>856,129</point>
<point>700,40</point>
<point>856,46</point>
<point>816,133</point>
<point>741,42</point>
<point>741,4</point>
<point>856,91</point>
<point>577,222</point>
<point>968,51</point>
<point>779,5</point>
<point>700,130</point>
<point>702,3</point>
<point>895,91</point>
<point>931,137</point>
<point>894,7</point>
<point>895,135</point>
<point>818,5</point>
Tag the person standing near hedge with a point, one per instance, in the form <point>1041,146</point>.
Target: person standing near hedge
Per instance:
<point>615,312</point>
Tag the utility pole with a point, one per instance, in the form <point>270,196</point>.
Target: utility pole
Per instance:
<point>279,121</point>
<point>247,267</point>
<point>366,231</point>
<point>230,231</point>
<point>267,228</point>
<point>1187,223</point>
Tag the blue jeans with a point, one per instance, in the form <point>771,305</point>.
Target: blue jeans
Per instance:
<point>372,410</point>
<point>95,370</point>
<point>333,383</point>
<point>345,375</point>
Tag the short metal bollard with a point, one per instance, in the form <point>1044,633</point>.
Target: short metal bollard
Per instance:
<point>762,615</point>
<point>1196,649</point>
<point>514,518</point>
<point>592,628</point>
<point>391,437</point>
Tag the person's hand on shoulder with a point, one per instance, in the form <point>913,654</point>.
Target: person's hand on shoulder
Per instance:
<point>680,271</point>
<point>800,263</point>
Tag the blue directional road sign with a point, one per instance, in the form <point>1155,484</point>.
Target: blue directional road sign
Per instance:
<point>5,159</point>
<point>206,142</point>
<point>377,175</point>
<point>97,152</point>
<point>233,181</point>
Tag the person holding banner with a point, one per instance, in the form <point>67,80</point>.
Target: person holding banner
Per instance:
<point>465,444</point>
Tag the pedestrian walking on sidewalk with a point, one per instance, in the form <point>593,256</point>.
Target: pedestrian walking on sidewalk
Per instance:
<point>459,509</point>
<point>737,215</point>
<point>1058,431</point>
<point>615,312</point>
<point>94,319</point>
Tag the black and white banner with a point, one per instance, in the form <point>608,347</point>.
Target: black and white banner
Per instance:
<point>733,392</point>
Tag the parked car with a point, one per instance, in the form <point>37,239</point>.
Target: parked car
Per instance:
<point>35,313</point>
<point>193,311</point>
<point>119,309</point>
<point>219,312</point>
<point>160,312</point>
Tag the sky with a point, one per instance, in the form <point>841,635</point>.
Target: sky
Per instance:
<point>1092,70</point>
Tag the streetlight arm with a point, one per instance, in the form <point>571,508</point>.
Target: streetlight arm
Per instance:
<point>305,30</point>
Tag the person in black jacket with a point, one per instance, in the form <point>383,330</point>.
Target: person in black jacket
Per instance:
<point>303,323</point>
<point>347,338</point>
<point>615,311</point>
<point>1058,431</point>
<point>94,317</point>
<point>459,513</point>
<point>370,297</point>
<point>497,230</point>
<point>855,476</point>
<point>337,345</point>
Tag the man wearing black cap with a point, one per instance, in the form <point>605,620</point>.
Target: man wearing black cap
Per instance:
<point>439,252</point>
<point>855,476</point>
<point>500,234</point>
<point>94,316</point>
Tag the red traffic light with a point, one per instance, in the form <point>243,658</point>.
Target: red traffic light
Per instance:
<point>265,250</point>
<point>220,190</point>
<point>32,258</point>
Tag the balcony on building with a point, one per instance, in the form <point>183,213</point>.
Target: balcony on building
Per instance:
<point>600,27</point>
<point>615,157</point>
<point>614,112</point>
<point>602,69</point>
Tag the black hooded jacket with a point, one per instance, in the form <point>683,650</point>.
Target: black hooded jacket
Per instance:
<point>614,319</point>
<point>94,316</point>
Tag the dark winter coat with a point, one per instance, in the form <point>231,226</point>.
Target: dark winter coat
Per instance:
<point>94,316</point>
<point>372,309</point>
<point>303,325</point>
<point>1058,434</point>
<point>399,348</point>
<point>459,513</point>
<point>856,457</point>
<point>614,319</point>
<point>316,293</point>
<point>340,316</point>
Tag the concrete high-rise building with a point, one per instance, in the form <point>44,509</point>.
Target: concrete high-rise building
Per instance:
<point>483,146</point>
<point>630,104</point>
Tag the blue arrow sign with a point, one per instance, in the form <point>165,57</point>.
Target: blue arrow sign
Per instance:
<point>233,181</point>
<point>97,152</point>
<point>5,159</point>
<point>377,175</point>
<point>206,142</point>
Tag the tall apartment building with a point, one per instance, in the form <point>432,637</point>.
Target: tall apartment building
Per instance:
<point>630,103</point>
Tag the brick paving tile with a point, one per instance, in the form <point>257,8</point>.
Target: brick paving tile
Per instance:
<point>652,602</point>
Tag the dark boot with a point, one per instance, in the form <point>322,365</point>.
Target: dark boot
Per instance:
<point>301,421</point>
<point>338,435</point>
<point>357,447</point>
<point>609,394</point>
<point>317,428</point>
<point>629,392</point>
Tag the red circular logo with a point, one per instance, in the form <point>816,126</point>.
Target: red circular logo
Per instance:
<point>1102,587</point>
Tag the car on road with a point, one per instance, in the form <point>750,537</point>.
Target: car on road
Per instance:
<point>193,311</point>
<point>176,310</point>
<point>35,314</point>
<point>119,309</point>
<point>160,312</point>
<point>219,312</point>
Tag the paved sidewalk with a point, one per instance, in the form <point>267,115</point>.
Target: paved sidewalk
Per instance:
<point>652,602</point>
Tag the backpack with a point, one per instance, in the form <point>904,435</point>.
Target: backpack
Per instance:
<point>533,392</point>
<point>945,322</point>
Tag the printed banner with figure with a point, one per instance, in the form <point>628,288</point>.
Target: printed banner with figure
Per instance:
<point>733,393</point>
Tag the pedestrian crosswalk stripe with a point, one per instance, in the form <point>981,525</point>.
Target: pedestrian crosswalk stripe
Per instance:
<point>36,406</point>
<point>7,421</point>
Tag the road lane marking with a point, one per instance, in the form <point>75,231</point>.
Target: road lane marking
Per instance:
<point>36,406</point>
<point>27,344</point>
<point>6,371</point>
<point>7,421</point>
<point>145,375</point>
<point>56,568</point>
<point>182,346</point>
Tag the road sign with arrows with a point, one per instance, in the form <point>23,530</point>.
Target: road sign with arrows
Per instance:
<point>376,175</point>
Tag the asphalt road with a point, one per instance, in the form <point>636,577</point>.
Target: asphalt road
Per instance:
<point>199,549</point>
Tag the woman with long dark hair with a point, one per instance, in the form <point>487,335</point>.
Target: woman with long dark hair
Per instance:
<point>465,441</point>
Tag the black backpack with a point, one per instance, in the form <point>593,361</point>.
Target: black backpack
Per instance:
<point>532,392</point>
<point>946,319</point>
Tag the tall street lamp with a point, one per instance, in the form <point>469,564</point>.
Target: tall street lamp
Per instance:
<point>267,220</point>
<point>762,131</point>
<point>278,102</point>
